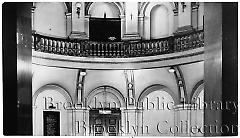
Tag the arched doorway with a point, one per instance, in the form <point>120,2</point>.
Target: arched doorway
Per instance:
<point>105,103</point>
<point>157,111</point>
<point>104,23</point>
<point>50,115</point>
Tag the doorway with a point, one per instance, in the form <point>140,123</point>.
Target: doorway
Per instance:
<point>105,29</point>
<point>105,122</point>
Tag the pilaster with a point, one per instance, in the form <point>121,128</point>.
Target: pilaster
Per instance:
<point>78,30</point>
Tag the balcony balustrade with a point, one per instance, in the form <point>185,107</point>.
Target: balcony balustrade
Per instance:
<point>126,49</point>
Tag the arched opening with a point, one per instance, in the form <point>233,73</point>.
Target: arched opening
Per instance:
<point>159,22</point>
<point>154,8</point>
<point>50,114</point>
<point>105,23</point>
<point>157,111</point>
<point>105,103</point>
<point>197,114</point>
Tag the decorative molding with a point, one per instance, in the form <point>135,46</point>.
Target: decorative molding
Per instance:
<point>52,87</point>
<point>80,86</point>
<point>130,86</point>
<point>180,84</point>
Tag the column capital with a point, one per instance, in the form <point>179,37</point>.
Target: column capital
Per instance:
<point>141,16</point>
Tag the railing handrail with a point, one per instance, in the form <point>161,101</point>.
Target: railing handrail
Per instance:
<point>118,49</point>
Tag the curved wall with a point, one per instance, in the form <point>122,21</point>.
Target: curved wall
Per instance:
<point>156,21</point>
<point>48,21</point>
<point>159,22</point>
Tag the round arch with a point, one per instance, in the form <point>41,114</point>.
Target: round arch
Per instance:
<point>197,89</point>
<point>159,22</point>
<point>157,87</point>
<point>108,89</point>
<point>90,4</point>
<point>52,87</point>
<point>170,5</point>
<point>146,12</point>
<point>66,5</point>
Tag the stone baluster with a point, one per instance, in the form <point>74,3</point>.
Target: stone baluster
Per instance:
<point>118,50</point>
<point>65,48</point>
<point>58,47</point>
<point>151,48</point>
<point>46,45</point>
<point>198,39</point>
<point>50,46</point>
<point>69,48</point>
<point>102,49</point>
<point>110,49</point>
<point>194,40</point>
<point>98,50</point>
<point>106,50</point>
<point>78,49</point>
<point>114,50</point>
<point>54,50</point>
<point>42,44</point>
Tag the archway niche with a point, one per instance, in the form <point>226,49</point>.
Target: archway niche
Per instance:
<point>156,111</point>
<point>105,97</point>
<point>154,8</point>
<point>159,22</point>
<point>52,102</point>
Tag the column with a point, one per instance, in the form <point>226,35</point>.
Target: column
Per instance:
<point>175,20</point>
<point>122,130</point>
<point>141,26</point>
<point>78,21</point>
<point>195,6</point>
<point>80,85</point>
<point>122,25</point>
<point>81,122</point>
<point>213,43</point>
<point>70,123</point>
<point>182,123</point>
<point>69,23</point>
<point>32,15</point>
<point>131,128</point>
<point>131,16</point>
<point>86,24</point>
